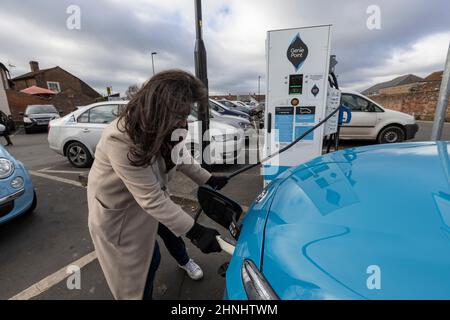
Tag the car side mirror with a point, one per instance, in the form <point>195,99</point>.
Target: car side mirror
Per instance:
<point>220,209</point>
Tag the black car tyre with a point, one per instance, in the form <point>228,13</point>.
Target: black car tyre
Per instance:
<point>34,204</point>
<point>78,155</point>
<point>391,134</point>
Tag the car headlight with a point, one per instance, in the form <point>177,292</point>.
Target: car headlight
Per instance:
<point>255,285</point>
<point>6,168</point>
<point>224,137</point>
<point>245,125</point>
<point>17,183</point>
<point>27,120</point>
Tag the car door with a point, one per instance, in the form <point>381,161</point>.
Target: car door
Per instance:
<point>364,118</point>
<point>92,122</point>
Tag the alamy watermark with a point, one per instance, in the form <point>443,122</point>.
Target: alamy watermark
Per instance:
<point>374,18</point>
<point>226,146</point>
<point>73,21</point>
<point>74,280</point>
<point>374,279</point>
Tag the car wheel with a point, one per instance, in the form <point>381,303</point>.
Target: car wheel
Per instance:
<point>78,155</point>
<point>34,204</point>
<point>391,134</point>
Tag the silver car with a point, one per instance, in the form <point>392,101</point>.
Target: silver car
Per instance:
<point>76,135</point>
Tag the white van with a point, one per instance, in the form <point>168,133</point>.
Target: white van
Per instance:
<point>370,121</point>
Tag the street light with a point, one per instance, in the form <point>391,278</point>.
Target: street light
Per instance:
<point>201,70</point>
<point>153,63</point>
<point>259,87</point>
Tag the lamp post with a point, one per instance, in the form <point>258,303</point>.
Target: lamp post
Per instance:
<point>201,71</point>
<point>259,87</point>
<point>441,108</point>
<point>153,63</point>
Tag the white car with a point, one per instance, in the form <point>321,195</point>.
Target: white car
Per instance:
<point>370,121</point>
<point>76,135</point>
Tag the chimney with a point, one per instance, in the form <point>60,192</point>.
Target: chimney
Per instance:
<point>34,65</point>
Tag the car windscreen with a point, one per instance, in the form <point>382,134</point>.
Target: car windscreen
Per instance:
<point>34,109</point>
<point>227,104</point>
<point>194,111</point>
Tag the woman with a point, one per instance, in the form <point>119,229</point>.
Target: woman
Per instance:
<point>127,185</point>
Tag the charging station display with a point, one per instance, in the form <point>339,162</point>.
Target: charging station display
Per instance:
<point>297,85</point>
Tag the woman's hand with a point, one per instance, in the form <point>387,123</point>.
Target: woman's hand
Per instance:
<point>204,238</point>
<point>217,182</point>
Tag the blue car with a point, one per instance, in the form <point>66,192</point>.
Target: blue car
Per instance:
<point>17,194</point>
<point>362,223</point>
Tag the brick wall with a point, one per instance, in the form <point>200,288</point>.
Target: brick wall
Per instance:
<point>19,101</point>
<point>398,89</point>
<point>23,84</point>
<point>66,101</point>
<point>419,99</point>
<point>66,80</point>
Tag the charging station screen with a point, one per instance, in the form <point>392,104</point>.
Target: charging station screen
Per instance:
<point>296,84</point>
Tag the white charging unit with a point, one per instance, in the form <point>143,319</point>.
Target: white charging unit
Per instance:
<point>298,62</point>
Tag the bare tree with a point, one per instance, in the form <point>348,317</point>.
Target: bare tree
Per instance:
<point>131,91</point>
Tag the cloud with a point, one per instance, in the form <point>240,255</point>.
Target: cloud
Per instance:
<point>116,37</point>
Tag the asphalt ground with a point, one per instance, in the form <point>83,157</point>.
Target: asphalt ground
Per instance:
<point>35,250</point>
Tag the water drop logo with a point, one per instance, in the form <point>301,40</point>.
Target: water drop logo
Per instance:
<point>297,52</point>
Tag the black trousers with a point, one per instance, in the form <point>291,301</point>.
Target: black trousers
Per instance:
<point>177,249</point>
<point>7,138</point>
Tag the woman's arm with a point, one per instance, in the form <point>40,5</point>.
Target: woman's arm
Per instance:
<point>142,183</point>
<point>194,170</point>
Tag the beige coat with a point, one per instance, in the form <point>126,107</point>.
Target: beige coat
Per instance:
<point>125,205</point>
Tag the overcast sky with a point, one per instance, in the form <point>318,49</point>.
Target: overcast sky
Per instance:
<point>113,46</point>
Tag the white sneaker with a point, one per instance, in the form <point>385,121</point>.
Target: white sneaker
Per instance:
<point>193,270</point>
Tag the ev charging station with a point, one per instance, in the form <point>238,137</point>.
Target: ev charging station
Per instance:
<point>298,96</point>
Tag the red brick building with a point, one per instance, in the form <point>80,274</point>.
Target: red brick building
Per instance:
<point>70,90</point>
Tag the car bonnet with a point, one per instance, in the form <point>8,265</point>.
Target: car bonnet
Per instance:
<point>341,219</point>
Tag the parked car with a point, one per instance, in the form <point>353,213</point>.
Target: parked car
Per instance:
<point>364,223</point>
<point>76,135</point>
<point>17,194</point>
<point>242,104</point>
<point>370,121</point>
<point>237,122</point>
<point>257,113</point>
<point>234,106</point>
<point>38,116</point>
<point>220,108</point>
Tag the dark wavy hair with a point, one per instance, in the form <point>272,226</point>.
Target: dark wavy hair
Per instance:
<point>153,113</point>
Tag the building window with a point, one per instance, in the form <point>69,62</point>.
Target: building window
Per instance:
<point>54,86</point>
